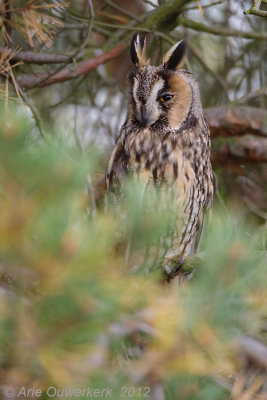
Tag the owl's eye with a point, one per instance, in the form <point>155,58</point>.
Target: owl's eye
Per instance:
<point>165,97</point>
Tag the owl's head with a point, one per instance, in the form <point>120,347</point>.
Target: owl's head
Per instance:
<point>161,95</point>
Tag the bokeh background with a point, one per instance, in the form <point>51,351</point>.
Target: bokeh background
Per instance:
<point>73,314</point>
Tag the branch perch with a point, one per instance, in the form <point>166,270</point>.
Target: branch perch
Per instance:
<point>248,149</point>
<point>228,121</point>
<point>245,133</point>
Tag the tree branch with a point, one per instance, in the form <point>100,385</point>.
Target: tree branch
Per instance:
<point>36,58</point>
<point>198,26</point>
<point>41,80</point>
<point>247,149</point>
<point>236,121</point>
<point>255,9</point>
<point>164,14</point>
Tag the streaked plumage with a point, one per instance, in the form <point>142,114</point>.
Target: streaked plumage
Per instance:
<point>166,141</point>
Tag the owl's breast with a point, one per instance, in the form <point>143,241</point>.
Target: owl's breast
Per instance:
<point>144,149</point>
<point>161,158</point>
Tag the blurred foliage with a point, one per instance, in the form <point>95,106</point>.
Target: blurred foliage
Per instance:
<point>73,316</point>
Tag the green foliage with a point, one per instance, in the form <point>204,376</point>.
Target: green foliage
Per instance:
<point>72,314</point>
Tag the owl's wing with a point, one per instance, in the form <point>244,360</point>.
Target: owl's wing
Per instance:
<point>196,212</point>
<point>206,215</point>
<point>117,167</point>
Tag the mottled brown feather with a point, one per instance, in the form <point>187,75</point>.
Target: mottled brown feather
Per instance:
<point>167,143</point>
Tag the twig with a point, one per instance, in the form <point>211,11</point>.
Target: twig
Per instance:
<point>124,27</point>
<point>90,188</point>
<point>81,26</point>
<point>29,7</point>
<point>69,95</point>
<point>150,3</point>
<point>89,29</point>
<point>223,382</point>
<point>35,113</point>
<point>206,5</point>
<point>255,9</point>
<point>252,95</point>
<point>220,81</point>
<point>123,11</point>
<point>198,26</point>
<point>78,26</point>
<point>6,94</point>
<point>255,350</point>
<point>91,192</point>
<point>6,27</point>
<point>254,209</point>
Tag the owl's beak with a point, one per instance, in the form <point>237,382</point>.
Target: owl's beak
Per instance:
<point>147,117</point>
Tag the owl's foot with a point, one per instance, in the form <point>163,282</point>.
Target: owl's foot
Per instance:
<point>172,264</point>
<point>178,265</point>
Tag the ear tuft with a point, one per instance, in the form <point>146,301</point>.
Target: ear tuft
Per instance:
<point>174,58</point>
<point>133,49</point>
<point>138,47</point>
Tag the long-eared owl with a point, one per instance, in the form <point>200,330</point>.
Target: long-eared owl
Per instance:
<point>166,141</point>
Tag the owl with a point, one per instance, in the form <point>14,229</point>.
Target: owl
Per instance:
<point>165,141</point>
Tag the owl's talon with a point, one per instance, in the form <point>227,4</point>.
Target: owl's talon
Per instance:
<point>179,265</point>
<point>172,265</point>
